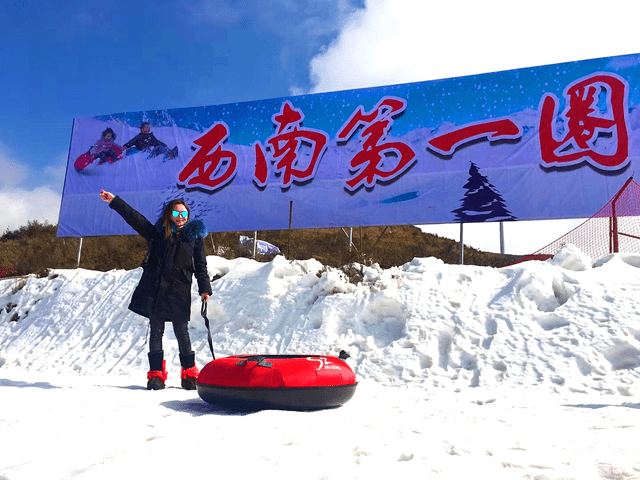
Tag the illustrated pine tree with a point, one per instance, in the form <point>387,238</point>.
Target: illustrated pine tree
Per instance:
<point>482,202</point>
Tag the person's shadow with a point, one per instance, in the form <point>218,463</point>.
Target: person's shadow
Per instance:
<point>20,384</point>
<point>595,406</point>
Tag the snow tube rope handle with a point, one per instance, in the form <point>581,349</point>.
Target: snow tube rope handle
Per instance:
<point>261,361</point>
<point>203,312</point>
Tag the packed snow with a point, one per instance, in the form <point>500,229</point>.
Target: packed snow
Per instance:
<point>524,372</point>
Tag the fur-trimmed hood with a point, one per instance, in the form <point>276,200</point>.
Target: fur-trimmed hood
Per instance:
<point>193,230</point>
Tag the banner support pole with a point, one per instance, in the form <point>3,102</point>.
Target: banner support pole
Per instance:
<point>79,252</point>
<point>255,242</point>
<point>290,215</point>
<point>502,238</point>
<point>461,245</point>
<point>374,245</point>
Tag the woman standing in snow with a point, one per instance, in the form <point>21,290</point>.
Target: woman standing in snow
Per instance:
<point>176,253</point>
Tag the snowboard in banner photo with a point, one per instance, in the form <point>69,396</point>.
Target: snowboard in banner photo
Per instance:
<point>112,155</point>
<point>83,161</point>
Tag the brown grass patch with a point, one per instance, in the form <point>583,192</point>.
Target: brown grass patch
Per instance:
<point>34,248</point>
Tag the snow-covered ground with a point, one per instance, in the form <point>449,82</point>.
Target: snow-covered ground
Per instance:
<point>523,372</point>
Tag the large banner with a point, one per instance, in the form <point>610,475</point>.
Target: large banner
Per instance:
<point>547,142</point>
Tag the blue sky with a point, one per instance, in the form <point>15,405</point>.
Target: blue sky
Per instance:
<point>84,58</point>
<point>61,60</point>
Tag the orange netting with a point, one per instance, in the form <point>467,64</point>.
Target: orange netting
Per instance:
<point>615,228</point>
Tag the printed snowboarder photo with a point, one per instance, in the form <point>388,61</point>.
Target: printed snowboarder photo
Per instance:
<point>105,150</point>
<point>146,141</point>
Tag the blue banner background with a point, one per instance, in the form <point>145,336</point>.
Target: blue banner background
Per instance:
<point>431,190</point>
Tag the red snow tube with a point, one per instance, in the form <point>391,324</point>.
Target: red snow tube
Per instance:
<point>289,382</point>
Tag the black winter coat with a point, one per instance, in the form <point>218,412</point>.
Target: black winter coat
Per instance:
<point>164,290</point>
<point>142,141</point>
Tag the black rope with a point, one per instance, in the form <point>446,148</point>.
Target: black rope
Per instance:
<point>203,312</point>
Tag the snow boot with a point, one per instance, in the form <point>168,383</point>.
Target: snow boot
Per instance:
<point>190,372</point>
<point>156,378</point>
<point>157,374</point>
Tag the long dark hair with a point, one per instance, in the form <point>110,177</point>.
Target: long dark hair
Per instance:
<point>166,215</point>
<point>113,134</point>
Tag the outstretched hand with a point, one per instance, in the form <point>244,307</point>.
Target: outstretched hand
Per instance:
<point>205,297</point>
<point>106,196</point>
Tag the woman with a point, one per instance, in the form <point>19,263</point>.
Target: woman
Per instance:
<point>176,253</point>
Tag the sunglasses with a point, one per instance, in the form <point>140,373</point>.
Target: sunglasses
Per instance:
<point>176,214</point>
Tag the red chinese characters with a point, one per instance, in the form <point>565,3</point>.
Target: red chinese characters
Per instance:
<point>369,164</point>
<point>286,146</point>
<point>212,167</point>
<point>493,130</point>
<point>594,124</point>
<point>592,128</point>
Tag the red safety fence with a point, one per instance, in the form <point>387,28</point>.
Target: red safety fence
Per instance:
<point>614,228</point>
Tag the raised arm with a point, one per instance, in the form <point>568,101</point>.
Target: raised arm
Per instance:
<point>106,196</point>
<point>135,219</point>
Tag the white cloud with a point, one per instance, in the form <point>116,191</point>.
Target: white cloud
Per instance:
<point>292,19</point>
<point>55,172</point>
<point>11,173</point>
<point>401,41</point>
<point>23,204</point>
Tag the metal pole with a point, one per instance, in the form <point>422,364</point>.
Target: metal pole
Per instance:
<point>502,238</point>
<point>461,245</point>
<point>255,242</point>
<point>79,252</point>
<point>615,217</point>
<point>374,245</point>
<point>290,215</point>
<point>213,247</point>
<point>614,231</point>
<point>610,234</point>
<point>350,237</point>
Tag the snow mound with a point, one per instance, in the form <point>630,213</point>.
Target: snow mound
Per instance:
<point>571,257</point>
<point>559,323</point>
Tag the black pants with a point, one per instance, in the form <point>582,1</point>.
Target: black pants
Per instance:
<point>157,331</point>
<point>107,156</point>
